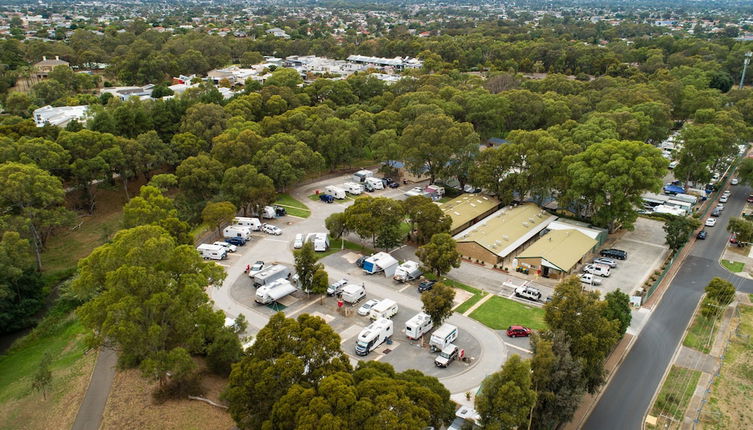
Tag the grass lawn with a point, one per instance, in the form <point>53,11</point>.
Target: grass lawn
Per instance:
<point>700,333</point>
<point>728,405</point>
<point>470,302</point>
<point>293,206</point>
<point>675,394</point>
<point>500,313</point>
<point>733,266</point>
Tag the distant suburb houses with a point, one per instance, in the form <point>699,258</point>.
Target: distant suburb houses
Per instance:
<point>521,237</point>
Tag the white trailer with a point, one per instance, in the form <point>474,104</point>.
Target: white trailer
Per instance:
<point>212,252</point>
<point>418,325</point>
<point>320,241</point>
<point>380,262</point>
<point>353,188</point>
<point>253,223</point>
<point>373,335</point>
<point>268,212</point>
<point>376,183</point>
<point>443,336</point>
<point>270,274</point>
<point>386,308</point>
<point>273,292</point>
<point>237,231</point>
<point>408,271</point>
<point>363,175</point>
<point>335,192</point>
<point>353,294</point>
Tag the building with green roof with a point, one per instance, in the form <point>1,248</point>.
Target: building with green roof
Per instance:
<point>468,209</point>
<point>557,253</point>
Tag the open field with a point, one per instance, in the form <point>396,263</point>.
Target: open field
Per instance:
<point>728,405</point>
<point>500,313</point>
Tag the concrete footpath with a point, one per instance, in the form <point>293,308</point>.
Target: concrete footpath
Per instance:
<point>90,412</point>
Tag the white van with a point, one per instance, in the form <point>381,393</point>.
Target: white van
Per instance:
<point>212,252</point>
<point>237,231</point>
<point>443,336</point>
<point>252,223</point>
<point>597,269</point>
<point>353,188</point>
<point>353,294</point>
<point>418,325</point>
<point>386,308</point>
<point>335,192</point>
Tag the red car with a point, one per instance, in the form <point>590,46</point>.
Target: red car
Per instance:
<point>750,199</point>
<point>518,331</point>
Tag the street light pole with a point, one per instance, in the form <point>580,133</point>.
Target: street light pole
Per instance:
<point>745,67</point>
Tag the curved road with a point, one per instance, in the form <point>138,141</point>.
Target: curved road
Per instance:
<point>628,395</point>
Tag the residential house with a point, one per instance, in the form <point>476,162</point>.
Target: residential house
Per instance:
<point>278,32</point>
<point>43,68</point>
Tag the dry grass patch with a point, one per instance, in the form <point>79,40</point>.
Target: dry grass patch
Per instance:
<point>131,405</point>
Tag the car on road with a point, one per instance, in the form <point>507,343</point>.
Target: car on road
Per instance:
<point>720,207</point>
<point>614,253</point>
<point>734,181</point>
<point>723,199</point>
<point>607,261</point>
<point>518,331</point>
<point>336,287</point>
<point>229,246</point>
<point>448,355</point>
<point>749,199</point>
<point>727,193</point>
<point>426,286</point>
<point>716,212</point>
<point>271,229</point>
<point>237,241</point>
<point>710,222</point>
<point>701,235</point>
<point>366,307</point>
<point>256,267</point>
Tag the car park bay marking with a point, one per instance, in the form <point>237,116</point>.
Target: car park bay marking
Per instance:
<point>405,287</point>
<point>518,348</point>
<point>276,240</point>
<point>306,306</point>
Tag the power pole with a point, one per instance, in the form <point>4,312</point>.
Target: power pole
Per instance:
<point>745,67</point>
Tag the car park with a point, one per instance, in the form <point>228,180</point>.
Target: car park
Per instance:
<point>426,286</point>
<point>723,199</point>
<point>271,229</point>
<point>229,246</point>
<point>447,356</point>
<point>701,235</point>
<point>237,241</point>
<point>336,287</point>
<point>710,222</point>
<point>607,261</point>
<point>366,307</point>
<point>518,331</point>
<point>614,253</point>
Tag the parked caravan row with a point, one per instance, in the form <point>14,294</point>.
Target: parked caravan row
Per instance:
<point>373,335</point>
<point>418,325</point>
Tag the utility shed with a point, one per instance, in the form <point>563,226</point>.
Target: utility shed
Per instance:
<point>501,236</point>
<point>468,209</point>
<point>557,253</point>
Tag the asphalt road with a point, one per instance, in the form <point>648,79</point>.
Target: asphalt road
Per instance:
<point>627,397</point>
<point>90,412</point>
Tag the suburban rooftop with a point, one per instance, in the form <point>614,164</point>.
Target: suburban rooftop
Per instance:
<point>561,248</point>
<point>466,207</point>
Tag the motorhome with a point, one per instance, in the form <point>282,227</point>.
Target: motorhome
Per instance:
<point>320,241</point>
<point>274,291</point>
<point>375,182</point>
<point>237,231</point>
<point>268,212</point>
<point>212,252</point>
<point>418,325</point>
<point>373,335</point>
<point>443,336</point>
<point>335,192</point>
<point>380,262</point>
<point>353,188</point>
<point>363,175</point>
<point>408,271</point>
<point>386,308</point>
<point>253,223</point>
<point>353,294</point>
<point>270,274</point>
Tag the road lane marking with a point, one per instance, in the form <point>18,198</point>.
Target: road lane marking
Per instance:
<point>518,348</point>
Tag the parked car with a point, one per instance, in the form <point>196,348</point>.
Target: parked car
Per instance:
<point>327,198</point>
<point>366,307</point>
<point>734,181</point>
<point>280,211</point>
<point>256,268</point>
<point>271,229</point>
<point>720,207</point>
<point>518,331</point>
<point>394,185</point>
<point>726,193</point>
<point>701,235</point>
<point>710,222</point>
<point>415,191</point>
<point>426,286</point>
<point>723,199</point>
<point>448,355</point>
<point>298,241</point>
<point>229,246</point>
<point>336,287</point>
<point>607,261</point>
<point>614,253</point>
<point>716,212</point>
<point>673,164</point>
<point>359,262</point>
<point>237,241</point>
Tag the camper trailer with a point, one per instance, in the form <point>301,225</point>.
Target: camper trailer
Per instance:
<point>268,212</point>
<point>320,241</point>
<point>386,308</point>
<point>418,325</point>
<point>252,223</point>
<point>373,335</point>
<point>443,336</point>
<point>380,262</point>
<point>408,271</point>
<point>335,192</point>
<point>270,274</point>
<point>353,188</point>
<point>353,294</point>
<point>363,175</point>
<point>376,183</point>
<point>212,252</point>
<point>274,291</point>
<point>237,231</point>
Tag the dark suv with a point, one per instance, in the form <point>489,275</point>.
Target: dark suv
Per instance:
<point>237,241</point>
<point>426,286</point>
<point>614,253</point>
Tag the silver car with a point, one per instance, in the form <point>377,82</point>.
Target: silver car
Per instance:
<point>606,261</point>
<point>366,307</point>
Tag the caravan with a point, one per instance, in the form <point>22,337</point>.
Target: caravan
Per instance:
<point>270,274</point>
<point>352,294</point>
<point>408,271</point>
<point>212,252</point>
<point>418,325</point>
<point>320,241</point>
<point>373,335</point>
<point>268,212</point>
<point>363,175</point>
<point>274,291</point>
<point>386,308</point>
<point>335,192</point>
<point>443,336</point>
<point>375,183</point>
<point>237,231</point>
<point>353,188</point>
<point>253,223</point>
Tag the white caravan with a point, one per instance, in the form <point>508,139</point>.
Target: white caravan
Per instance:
<point>212,252</point>
<point>408,271</point>
<point>253,223</point>
<point>386,308</point>
<point>269,274</point>
<point>418,325</point>
<point>443,336</point>
<point>273,292</point>
<point>320,241</point>
<point>353,294</point>
<point>335,192</point>
<point>237,231</point>
<point>353,188</point>
<point>373,335</point>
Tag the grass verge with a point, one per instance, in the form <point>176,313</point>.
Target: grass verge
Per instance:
<point>293,206</point>
<point>470,302</point>
<point>733,266</point>
<point>477,294</point>
<point>499,313</point>
<point>700,333</point>
<point>675,394</point>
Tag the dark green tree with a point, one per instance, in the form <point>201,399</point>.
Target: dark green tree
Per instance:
<point>440,255</point>
<point>506,397</point>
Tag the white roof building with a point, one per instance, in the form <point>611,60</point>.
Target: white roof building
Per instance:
<point>59,116</point>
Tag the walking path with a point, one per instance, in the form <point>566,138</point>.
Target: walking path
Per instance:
<point>90,412</point>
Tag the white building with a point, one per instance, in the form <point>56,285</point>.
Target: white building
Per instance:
<point>59,116</point>
<point>278,32</point>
